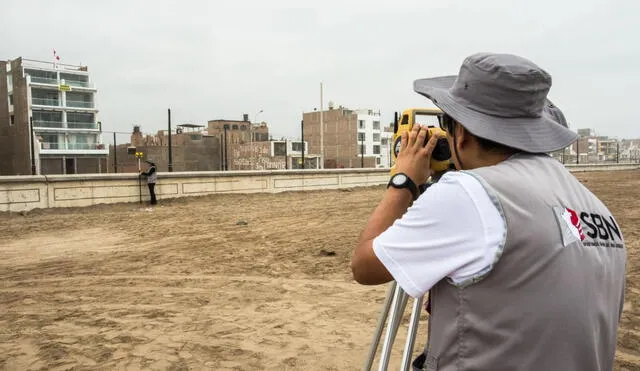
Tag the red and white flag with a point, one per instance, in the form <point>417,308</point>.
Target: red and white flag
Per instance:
<point>56,59</point>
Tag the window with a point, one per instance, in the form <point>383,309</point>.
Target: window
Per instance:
<point>361,124</point>
<point>10,99</point>
<point>9,82</point>
<point>376,150</point>
<point>234,127</point>
<point>226,126</point>
<point>377,160</point>
<point>81,141</point>
<point>44,97</point>
<point>49,119</point>
<point>12,121</point>
<point>296,146</point>
<point>376,125</point>
<point>384,141</point>
<point>279,149</point>
<point>80,117</point>
<point>75,80</point>
<point>49,141</point>
<point>361,137</point>
<point>79,100</point>
<point>376,137</point>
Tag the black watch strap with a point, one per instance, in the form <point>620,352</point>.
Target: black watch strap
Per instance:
<point>408,184</point>
<point>423,187</point>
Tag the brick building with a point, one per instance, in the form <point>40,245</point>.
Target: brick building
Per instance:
<point>351,138</point>
<point>234,133</point>
<point>190,151</point>
<point>61,101</point>
<point>196,149</point>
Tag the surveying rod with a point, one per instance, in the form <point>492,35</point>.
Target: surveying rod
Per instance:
<point>139,179</point>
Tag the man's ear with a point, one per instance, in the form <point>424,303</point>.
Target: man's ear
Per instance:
<point>462,136</point>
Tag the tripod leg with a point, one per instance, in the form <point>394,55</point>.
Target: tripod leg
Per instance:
<point>397,318</point>
<point>379,327</point>
<point>411,334</point>
<point>397,310</point>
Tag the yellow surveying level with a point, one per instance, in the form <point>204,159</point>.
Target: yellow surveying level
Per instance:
<point>440,158</point>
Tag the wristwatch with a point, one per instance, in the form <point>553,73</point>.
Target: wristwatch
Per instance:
<point>401,180</point>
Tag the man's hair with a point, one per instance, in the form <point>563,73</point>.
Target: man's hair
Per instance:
<point>487,145</point>
<point>491,146</point>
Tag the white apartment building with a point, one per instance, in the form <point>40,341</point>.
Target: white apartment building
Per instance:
<point>370,135</point>
<point>60,101</point>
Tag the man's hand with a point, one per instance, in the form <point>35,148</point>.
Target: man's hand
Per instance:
<point>414,157</point>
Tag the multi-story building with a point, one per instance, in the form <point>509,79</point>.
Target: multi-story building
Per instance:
<point>385,147</point>
<point>60,101</point>
<point>350,138</point>
<point>234,133</point>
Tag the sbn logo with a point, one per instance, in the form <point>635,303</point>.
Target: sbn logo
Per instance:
<point>599,226</point>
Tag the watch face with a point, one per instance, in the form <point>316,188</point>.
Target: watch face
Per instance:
<point>399,179</point>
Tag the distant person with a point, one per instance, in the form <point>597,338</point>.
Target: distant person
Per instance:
<point>152,176</point>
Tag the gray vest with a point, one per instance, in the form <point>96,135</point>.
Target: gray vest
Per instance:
<point>153,178</point>
<point>554,296</point>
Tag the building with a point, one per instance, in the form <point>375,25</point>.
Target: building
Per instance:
<point>350,138</point>
<point>386,141</point>
<point>191,150</point>
<point>587,132</point>
<point>272,155</point>
<point>591,148</point>
<point>60,99</point>
<point>234,133</point>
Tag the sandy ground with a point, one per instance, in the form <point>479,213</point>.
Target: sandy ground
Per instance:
<point>186,286</point>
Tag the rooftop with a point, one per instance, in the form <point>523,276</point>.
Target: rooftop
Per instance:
<point>52,66</point>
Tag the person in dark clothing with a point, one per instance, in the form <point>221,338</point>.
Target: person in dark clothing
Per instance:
<point>152,176</point>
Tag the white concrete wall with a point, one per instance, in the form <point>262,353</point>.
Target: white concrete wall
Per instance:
<point>19,193</point>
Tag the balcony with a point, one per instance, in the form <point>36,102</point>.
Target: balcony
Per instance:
<point>60,148</point>
<point>52,145</point>
<point>76,146</point>
<point>79,104</point>
<point>47,124</point>
<point>44,80</point>
<point>80,84</point>
<point>45,102</point>
<point>72,126</point>
<point>82,125</point>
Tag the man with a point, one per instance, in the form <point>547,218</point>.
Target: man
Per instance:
<point>152,176</point>
<point>524,266</point>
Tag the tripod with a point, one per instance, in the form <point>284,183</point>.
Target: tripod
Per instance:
<point>396,301</point>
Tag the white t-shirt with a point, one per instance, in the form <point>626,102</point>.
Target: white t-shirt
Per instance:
<point>453,230</point>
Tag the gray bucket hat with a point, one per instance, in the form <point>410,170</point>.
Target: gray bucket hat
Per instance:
<point>503,98</point>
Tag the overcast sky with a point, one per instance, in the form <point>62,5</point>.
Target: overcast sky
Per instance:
<point>206,60</point>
